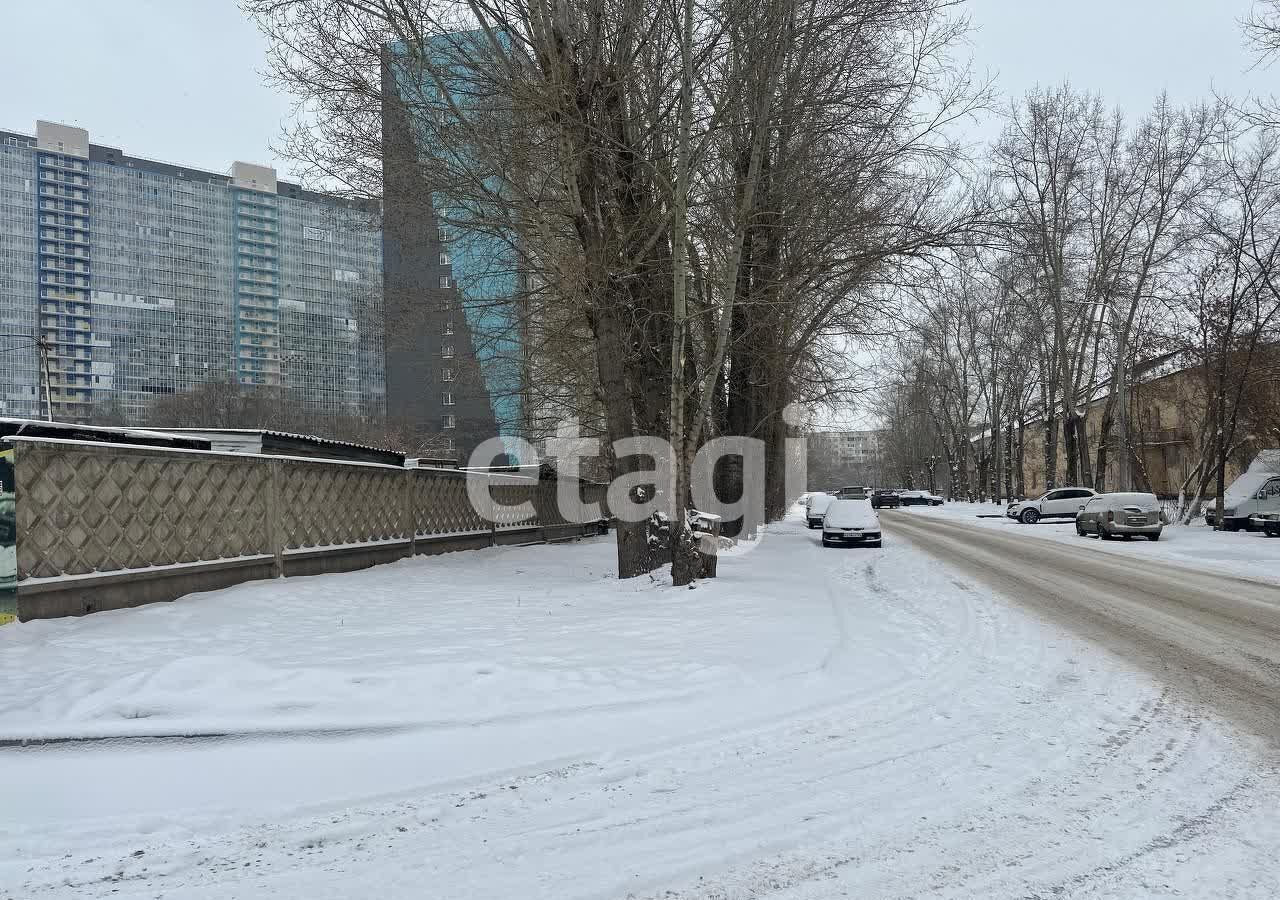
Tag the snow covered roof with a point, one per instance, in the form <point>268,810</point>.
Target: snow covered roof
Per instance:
<point>270,441</point>
<point>100,433</point>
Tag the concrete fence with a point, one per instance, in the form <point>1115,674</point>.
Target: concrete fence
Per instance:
<point>104,526</point>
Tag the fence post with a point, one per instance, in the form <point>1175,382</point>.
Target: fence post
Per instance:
<point>275,529</point>
<point>411,512</point>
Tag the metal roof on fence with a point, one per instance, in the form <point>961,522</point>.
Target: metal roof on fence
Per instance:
<point>283,438</point>
<point>100,433</point>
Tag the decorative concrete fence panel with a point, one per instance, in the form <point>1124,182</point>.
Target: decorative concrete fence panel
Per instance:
<point>87,508</point>
<point>440,504</point>
<point>104,526</point>
<point>325,504</point>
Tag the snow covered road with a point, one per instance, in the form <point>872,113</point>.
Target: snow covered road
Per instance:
<point>1237,554</point>
<point>1216,636</point>
<point>516,723</point>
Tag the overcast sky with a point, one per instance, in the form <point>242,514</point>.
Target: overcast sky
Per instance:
<point>179,80</point>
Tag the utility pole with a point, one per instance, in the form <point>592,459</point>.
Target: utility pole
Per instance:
<point>43,345</point>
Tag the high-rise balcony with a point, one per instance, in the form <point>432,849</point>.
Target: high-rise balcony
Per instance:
<point>260,240</point>
<point>66,163</point>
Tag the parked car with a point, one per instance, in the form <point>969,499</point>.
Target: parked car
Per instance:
<point>885,498</point>
<point>1059,503</point>
<point>852,492</point>
<point>915,498</point>
<point>851,522</point>
<point>1121,515</point>
<point>816,508</point>
<point>935,500</point>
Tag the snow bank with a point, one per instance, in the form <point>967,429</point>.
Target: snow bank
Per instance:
<point>426,641</point>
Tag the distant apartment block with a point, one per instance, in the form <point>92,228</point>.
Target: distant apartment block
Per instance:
<point>147,278</point>
<point>839,458</point>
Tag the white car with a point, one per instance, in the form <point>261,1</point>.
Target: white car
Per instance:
<point>851,522</point>
<point>815,508</point>
<point>1059,503</point>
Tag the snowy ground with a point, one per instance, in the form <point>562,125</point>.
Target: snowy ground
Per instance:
<point>517,723</point>
<point>1247,554</point>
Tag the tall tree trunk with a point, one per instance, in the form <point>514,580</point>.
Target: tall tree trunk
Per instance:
<point>1082,448</point>
<point>1104,439</point>
<point>1009,460</point>
<point>1070,449</point>
<point>683,557</point>
<point>1020,489</point>
<point>1050,451</point>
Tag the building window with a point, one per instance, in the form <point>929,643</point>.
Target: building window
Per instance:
<point>445,281</point>
<point>446,352</point>
<point>444,259</point>
<point>448,421</point>
<point>446,399</point>
<point>446,375</point>
<point>448,326</point>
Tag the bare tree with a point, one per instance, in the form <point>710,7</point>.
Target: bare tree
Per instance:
<point>1139,199</point>
<point>702,193</point>
<point>1230,306</point>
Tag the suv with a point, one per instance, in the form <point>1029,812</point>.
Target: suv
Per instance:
<point>885,498</point>
<point>1059,503</point>
<point>1121,515</point>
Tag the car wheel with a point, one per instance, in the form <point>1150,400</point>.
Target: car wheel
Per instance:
<point>1080,531</point>
<point>1029,516</point>
<point>1230,525</point>
<point>1102,533</point>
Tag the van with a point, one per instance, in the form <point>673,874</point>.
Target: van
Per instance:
<point>1249,511</point>
<point>1254,495</point>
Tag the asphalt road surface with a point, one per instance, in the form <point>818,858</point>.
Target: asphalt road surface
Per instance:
<point>1214,637</point>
